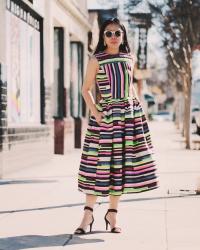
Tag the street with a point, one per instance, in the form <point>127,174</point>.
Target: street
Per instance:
<point>41,207</point>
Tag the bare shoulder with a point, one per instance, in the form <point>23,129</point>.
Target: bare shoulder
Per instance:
<point>93,59</point>
<point>93,63</point>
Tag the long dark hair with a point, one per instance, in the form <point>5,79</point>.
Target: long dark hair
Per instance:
<point>101,47</point>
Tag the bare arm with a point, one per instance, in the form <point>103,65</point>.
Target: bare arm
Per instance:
<point>139,84</point>
<point>137,93</point>
<point>88,84</point>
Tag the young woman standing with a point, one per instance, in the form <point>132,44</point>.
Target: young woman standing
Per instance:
<point>117,151</point>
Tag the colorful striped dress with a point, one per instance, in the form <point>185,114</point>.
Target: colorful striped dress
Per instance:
<point>117,154</point>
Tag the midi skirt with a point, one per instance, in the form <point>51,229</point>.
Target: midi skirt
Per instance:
<point>117,156</point>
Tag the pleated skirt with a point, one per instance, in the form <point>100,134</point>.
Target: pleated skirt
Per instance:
<point>117,156</point>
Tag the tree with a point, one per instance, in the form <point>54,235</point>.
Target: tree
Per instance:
<point>179,21</point>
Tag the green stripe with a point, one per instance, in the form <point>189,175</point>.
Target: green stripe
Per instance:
<point>110,60</point>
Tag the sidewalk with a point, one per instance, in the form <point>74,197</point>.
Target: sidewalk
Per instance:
<point>40,207</point>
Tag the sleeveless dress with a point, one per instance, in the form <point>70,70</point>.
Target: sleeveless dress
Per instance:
<point>117,154</point>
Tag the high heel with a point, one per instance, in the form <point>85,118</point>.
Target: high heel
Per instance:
<point>80,230</point>
<point>114,229</point>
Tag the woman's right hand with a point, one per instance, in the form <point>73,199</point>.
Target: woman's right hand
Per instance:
<point>98,117</point>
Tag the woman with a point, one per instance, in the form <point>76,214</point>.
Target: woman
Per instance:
<point>117,150</point>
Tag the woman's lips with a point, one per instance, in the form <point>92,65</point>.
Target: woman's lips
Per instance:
<point>113,42</point>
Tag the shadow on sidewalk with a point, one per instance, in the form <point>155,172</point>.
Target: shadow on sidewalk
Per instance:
<point>172,196</point>
<point>36,241</point>
<point>9,182</point>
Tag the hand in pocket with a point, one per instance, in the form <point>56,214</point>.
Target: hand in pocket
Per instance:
<point>98,117</point>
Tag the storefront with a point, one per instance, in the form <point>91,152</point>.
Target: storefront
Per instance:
<point>69,41</point>
<point>25,135</point>
<point>43,53</point>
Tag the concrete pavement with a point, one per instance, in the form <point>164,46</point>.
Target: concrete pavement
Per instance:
<point>40,206</point>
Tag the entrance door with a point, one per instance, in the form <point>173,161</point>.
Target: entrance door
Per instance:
<point>59,106</point>
<point>76,102</point>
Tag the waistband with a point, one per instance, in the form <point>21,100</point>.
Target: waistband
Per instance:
<point>116,100</point>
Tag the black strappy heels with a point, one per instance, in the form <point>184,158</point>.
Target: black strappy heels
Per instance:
<point>80,230</point>
<point>114,229</point>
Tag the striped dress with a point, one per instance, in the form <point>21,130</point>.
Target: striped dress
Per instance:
<point>117,154</point>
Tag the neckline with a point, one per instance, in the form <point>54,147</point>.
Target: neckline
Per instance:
<point>117,54</point>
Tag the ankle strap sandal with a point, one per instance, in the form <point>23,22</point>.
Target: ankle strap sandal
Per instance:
<point>80,230</point>
<point>114,229</point>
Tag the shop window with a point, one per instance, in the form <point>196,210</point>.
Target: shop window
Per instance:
<point>58,91</point>
<point>77,106</point>
<point>24,56</point>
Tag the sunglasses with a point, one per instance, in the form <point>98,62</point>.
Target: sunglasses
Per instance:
<point>109,33</point>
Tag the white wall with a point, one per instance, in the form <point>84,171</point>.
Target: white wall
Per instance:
<point>2,31</point>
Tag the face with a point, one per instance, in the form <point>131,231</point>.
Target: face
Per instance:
<point>114,39</point>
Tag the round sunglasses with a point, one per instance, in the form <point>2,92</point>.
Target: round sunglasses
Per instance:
<point>109,33</point>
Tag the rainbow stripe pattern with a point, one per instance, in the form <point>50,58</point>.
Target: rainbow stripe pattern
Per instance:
<point>117,156</point>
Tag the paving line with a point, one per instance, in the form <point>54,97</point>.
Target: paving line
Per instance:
<point>166,227</point>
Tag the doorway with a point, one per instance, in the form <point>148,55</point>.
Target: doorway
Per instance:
<point>59,93</point>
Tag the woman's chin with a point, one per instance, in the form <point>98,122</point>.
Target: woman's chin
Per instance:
<point>114,46</point>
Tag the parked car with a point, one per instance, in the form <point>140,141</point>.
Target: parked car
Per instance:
<point>195,111</point>
<point>197,121</point>
<point>149,99</point>
<point>162,115</point>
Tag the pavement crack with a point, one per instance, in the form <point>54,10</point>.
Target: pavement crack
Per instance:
<point>68,240</point>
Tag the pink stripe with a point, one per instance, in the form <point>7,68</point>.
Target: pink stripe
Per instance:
<point>141,171</point>
<point>87,161</point>
<point>93,128</point>
<point>101,188</point>
<point>105,141</point>
<point>139,136</point>
<point>110,77</point>
<point>105,125</point>
<point>129,137</point>
<point>115,81</point>
<point>122,79</point>
<point>87,174</point>
<point>139,184</point>
<point>144,166</point>
<point>86,186</point>
<point>106,152</point>
<point>107,74</point>
<point>117,139</point>
<point>102,172</point>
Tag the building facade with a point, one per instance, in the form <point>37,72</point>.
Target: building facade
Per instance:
<point>43,53</point>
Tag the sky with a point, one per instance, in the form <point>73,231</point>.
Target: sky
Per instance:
<point>97,4</point>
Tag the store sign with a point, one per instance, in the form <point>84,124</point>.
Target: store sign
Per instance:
<point>142,49</point>
<point>17,9</point>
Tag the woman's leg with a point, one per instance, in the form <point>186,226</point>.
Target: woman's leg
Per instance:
<point>87,217</point>
<point>90,200</point>
<point>114,201</point>
<point>112,216</point>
